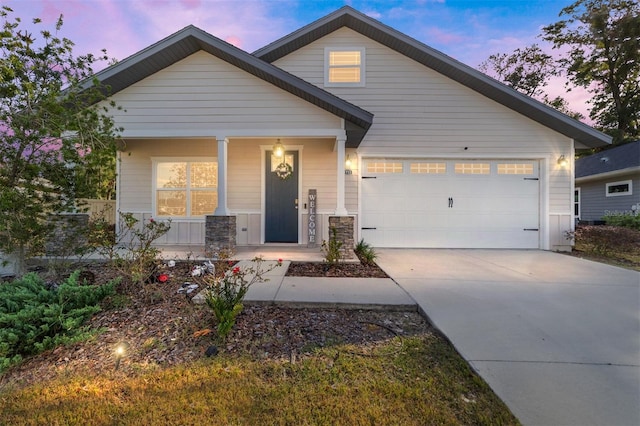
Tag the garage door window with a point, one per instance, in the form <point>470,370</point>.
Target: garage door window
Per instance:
<point>384,167</point>
<point>429,168</point>
<point>515,168</point>
<point>473,168</point>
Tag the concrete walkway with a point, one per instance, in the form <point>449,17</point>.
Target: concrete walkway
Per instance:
<point>556,337</point>
<point>371,293</point>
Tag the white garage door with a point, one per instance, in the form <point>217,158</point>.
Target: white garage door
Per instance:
<point>450,204</point>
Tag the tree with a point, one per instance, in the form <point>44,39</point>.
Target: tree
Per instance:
<point>603,38</point>
<point>528,70</point>
<point>51,115</point>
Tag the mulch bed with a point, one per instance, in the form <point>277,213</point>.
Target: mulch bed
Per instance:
<point>342,270</point>
<point>162,328</point>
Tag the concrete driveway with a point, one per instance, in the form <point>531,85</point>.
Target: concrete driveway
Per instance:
<point>556,337</point>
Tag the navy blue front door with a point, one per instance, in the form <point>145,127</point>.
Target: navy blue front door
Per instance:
<point>281,201</point>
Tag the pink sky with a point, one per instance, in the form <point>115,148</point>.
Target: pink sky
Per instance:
<point>468,30</point>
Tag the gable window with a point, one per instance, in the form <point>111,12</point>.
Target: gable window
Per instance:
<point>185,188</point>
<point>616,189</point>
<point>344,67</point>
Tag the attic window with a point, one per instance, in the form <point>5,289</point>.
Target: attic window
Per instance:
<point>344,67</point>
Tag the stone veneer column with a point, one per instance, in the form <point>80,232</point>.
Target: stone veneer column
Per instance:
<point>220,233</point>
<point>344,233</point>
<point>69,234</point>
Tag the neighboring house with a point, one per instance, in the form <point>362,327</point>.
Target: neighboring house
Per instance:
<point>608,183</point>
<point>403,145</point>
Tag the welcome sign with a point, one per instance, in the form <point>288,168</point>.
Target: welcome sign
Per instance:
<point>312,228</point>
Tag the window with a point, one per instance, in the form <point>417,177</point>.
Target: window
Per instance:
<point>473,168</point>
<point>344,67</point>
<point>616,189</point>
<point>185,188</point>
<point>428,168</point>
<point>515,168</point>
<point>576,203</point>
<point>384,167</point>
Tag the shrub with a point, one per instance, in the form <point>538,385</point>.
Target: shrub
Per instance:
<point>35,317</point>
<point>131,251</point>
<point>224,294</point>
<point>332,249</point>
<point>365,253</point>
<point>626,220</point>
<point>605,240</point>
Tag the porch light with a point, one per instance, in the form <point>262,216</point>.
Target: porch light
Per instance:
<point>347,166</point>
<point>278,149</point>
<point>562,161</point>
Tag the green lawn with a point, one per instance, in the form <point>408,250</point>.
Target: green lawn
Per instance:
<point>419,380</point>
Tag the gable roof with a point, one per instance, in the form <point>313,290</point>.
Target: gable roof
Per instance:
<point>438,61</point>
<point>191,39</point>
<point>623,157</point>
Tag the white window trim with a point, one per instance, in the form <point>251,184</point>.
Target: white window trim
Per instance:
<point>363,61</point>
<point>618,194</point>
<point>579,203</point>
<point>154,189</point>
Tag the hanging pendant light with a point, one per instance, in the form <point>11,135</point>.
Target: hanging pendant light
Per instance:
<point>278,149</point>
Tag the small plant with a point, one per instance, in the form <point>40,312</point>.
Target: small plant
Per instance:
<point>332,249</point>
<point>224,294</point>
<point>131,251</point>
<point>365,253</point>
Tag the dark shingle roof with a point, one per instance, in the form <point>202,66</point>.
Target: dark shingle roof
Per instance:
<point>191,39</point>
<point>438,61</point>
<point>613,159</point>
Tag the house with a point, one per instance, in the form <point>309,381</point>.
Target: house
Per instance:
<point>345,123</point>
<point>608,182</point>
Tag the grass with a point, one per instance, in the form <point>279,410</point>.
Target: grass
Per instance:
<point>419,380</point>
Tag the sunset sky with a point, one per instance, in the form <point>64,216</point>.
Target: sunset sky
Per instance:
<point>468,30</point>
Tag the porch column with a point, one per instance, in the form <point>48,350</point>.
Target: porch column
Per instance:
<point>340,204</point>
<point>222,209</point>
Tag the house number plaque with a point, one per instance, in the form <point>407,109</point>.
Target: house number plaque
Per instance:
<point>313,235</point>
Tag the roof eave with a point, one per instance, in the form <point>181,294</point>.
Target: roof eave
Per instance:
<point>606,175</point>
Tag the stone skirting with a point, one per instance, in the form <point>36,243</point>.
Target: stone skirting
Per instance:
<point>344,233</point>
<point>69,234</point>
<point>220,234</point>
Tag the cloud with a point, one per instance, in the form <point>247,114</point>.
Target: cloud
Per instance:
<point>443,37</point>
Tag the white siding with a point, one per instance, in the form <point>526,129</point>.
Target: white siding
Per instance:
<point>202,94</point>
<point>419,112</point>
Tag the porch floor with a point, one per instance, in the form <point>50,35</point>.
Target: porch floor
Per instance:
<point>291,252</point>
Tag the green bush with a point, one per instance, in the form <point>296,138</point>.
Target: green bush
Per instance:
<point>35,316</point>
<point>365,253</point>
<point>332,249</point>
<point>605,240</point>
<point>626,220</point>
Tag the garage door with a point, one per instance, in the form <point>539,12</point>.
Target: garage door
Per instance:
<point>450,204</point>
